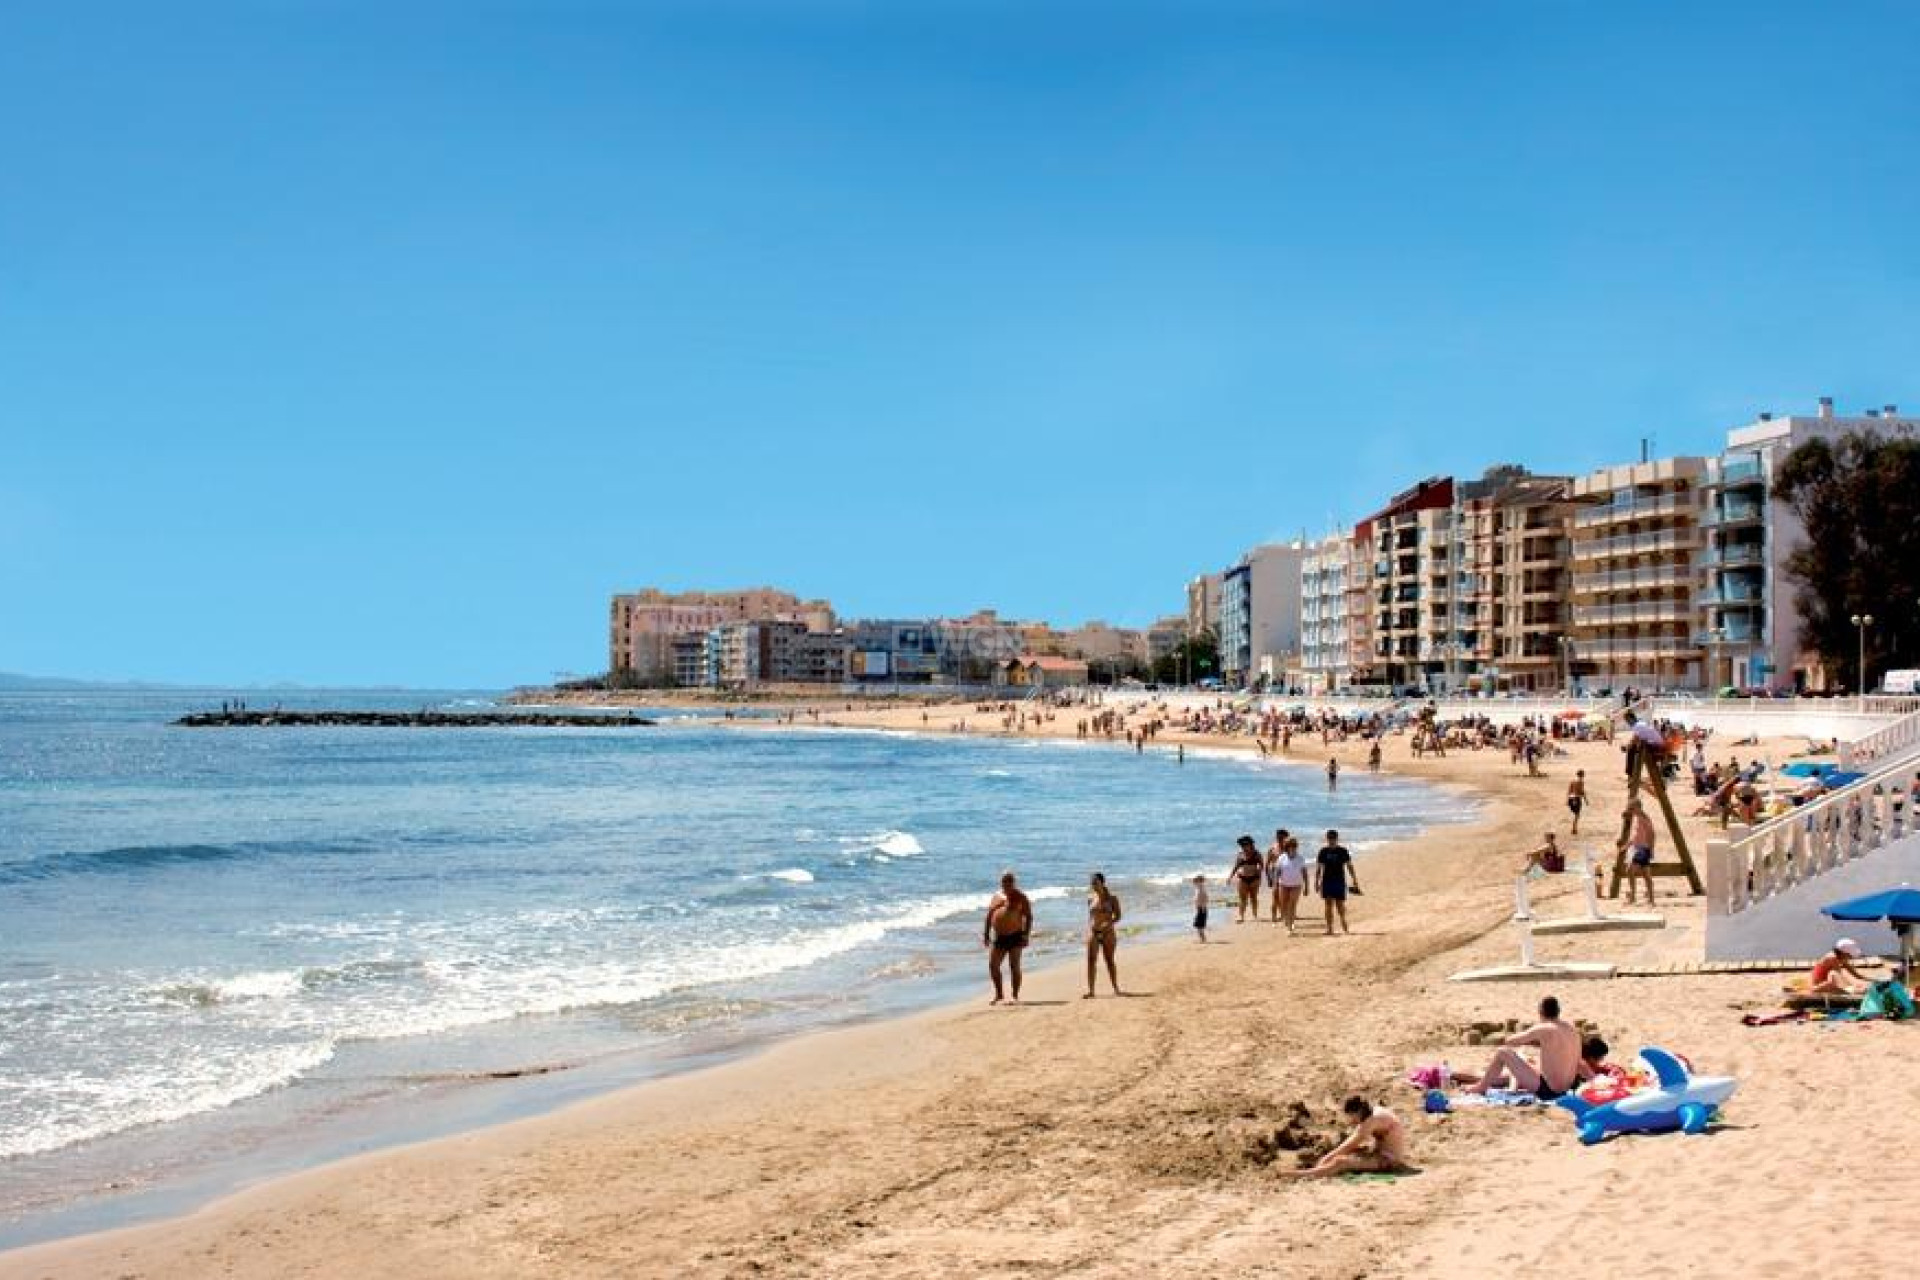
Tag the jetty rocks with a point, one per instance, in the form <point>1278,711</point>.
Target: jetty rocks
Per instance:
<point>422,719</point>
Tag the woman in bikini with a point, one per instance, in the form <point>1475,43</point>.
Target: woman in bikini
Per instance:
<point>1103,919</point>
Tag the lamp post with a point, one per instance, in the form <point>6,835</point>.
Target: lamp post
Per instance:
<point>1566,662</point>
<point>1861,621</point>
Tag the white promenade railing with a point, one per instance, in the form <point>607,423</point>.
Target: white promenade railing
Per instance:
<point>1900,737</point>
<point>1813,839</point>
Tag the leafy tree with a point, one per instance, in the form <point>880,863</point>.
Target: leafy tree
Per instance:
<point>1859,498</point>
<point>1191,659</point>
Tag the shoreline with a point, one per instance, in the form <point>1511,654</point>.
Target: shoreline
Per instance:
<point>854,1151</point>
<point>274,1152</point>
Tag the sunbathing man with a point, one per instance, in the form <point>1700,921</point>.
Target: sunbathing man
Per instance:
<point>1560,1059</point>
<point>1593,1064</point>
<point>1009,921</point>
<point>1826,979</point>
<point>1378,1144</point>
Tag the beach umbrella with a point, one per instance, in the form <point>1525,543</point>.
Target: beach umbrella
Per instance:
<point>1898,907</point>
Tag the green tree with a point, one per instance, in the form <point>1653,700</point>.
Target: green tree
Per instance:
<point>1193,659</point>
<point>1859,498</point>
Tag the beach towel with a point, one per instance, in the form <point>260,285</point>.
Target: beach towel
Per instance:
<point>1773,1019</point>
<point>1494,1098</point>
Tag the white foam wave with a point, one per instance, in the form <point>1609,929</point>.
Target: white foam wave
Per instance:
<point>80,1109</point>
<point>792,875</point>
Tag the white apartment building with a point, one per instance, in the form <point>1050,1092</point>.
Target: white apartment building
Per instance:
<point>1260,612</point>
<point>1749,624</point>
<point>1325,661</point>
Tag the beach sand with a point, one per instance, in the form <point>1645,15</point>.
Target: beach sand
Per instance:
<point>1137,1137</point>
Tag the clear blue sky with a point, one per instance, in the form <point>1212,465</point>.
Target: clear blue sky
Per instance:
<point>381,342</point>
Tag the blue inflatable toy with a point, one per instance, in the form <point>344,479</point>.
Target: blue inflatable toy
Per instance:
<point>1683,1101</point>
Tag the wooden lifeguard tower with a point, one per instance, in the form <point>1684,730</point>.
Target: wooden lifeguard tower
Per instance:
<point>1644,770</point>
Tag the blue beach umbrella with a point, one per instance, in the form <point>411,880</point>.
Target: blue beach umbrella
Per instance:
<point>1895,906</point>
<point>1898,907</point>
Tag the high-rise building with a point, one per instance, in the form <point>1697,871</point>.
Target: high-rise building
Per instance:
<point>1519,540</point>
<point>1638,566</point>
<point>1325,662</point>
<point>1397,546</point>
<point>1260,611</point>
<point>1750,625</point>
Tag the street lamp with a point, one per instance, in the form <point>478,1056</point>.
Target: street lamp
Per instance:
<point>1861,621</point>
<point>1566,662</point>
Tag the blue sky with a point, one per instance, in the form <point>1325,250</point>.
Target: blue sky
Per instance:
<point>381,342</point>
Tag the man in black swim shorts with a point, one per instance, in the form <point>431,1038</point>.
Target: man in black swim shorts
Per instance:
<point>1004,935</point>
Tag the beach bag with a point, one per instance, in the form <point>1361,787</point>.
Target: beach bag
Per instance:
<point>1887,999</point>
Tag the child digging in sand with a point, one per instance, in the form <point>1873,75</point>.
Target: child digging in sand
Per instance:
<point>1378,1144</point>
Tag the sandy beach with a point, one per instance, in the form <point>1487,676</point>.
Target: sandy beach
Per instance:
<point>1136,1137</point>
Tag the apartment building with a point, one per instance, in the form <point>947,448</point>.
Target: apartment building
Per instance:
<point>642,624</point>
<point>1639,562</point>
<point>1749,623</point>
<point>1325,662</point>
<point>1396,554</point>
<point>1203,604</point>
<point>739,654</point>
<point>1520,588</point>
<point>1260,611</point>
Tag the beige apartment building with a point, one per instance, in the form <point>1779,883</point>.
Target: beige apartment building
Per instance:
<point>642,625</point>
<point>1522,588</point>
<point>1638,553</point>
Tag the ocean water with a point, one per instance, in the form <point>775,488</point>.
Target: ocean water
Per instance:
<point>215,941</point>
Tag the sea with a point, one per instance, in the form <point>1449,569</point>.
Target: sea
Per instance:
<point>230,953</point>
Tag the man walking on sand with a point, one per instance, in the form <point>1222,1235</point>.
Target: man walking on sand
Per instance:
<point>1558,1044</point>
<point>1639,849</point>
<point>1332,874</point>
<point>1009,922</point>
<point>1577,797</point>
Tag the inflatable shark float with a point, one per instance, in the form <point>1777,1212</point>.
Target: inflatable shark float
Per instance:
<point>1682,1101</point>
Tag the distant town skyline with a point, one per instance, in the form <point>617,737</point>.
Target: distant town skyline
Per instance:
<point>381,345</point>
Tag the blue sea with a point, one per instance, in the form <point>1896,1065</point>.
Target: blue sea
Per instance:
<point>226,952</point>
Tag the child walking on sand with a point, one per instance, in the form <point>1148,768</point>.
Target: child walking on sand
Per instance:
<point>1200,906</point>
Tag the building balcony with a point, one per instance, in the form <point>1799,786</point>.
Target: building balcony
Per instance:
<point>1731,596</point>
<point>1636,544</point>
<point>1632,612</point>
<point>1644,578</point>
<point>1625,649</point>
<point>1738,553</point>
<point>1733,514</point>
<point>1738,474</point>
<point>1621,510</point>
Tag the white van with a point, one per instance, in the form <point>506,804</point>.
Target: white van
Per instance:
<point>1902,682</point>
